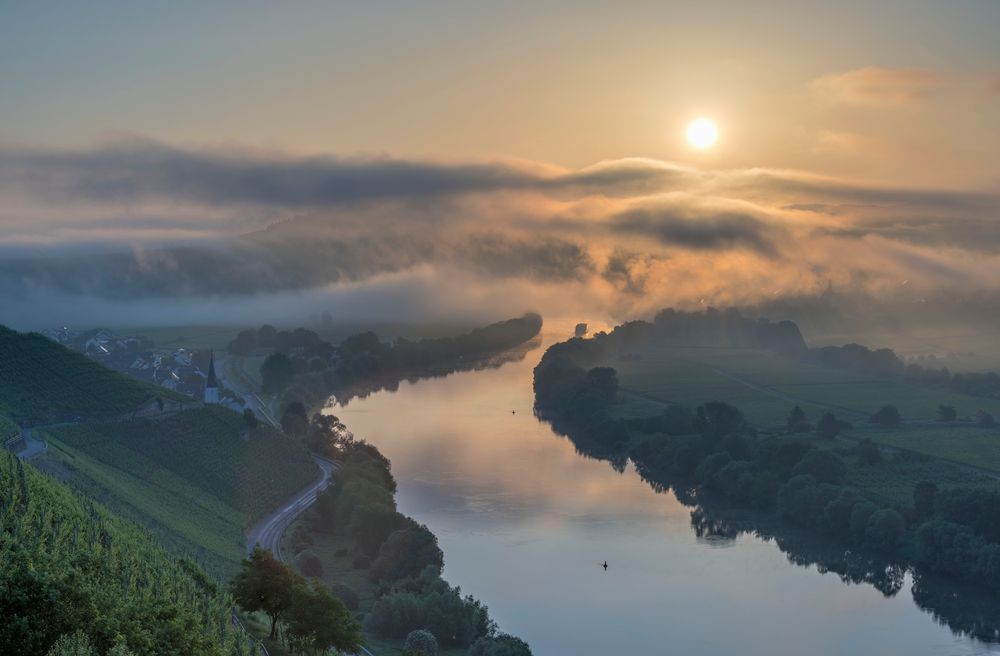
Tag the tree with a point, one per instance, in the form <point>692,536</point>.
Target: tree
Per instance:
<point>406,552</point>
<point>985,419</point>
<point>72,644</point>
<point>821,465</point>
<point>250,419</point>
<point>828,426</point>
<point>294,419</point>
<point>421,641</point>
<point>924,494</point>
<point>276,372</point>
<point>797,421</point>
<point>887,417</point>
<point>265,584</point>
<point>885,529</point>
<point>717,419</point>
<point>500,645</point>
<point>318,621</point>
<point>947,413</point>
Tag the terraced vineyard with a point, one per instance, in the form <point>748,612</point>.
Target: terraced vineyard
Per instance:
<point>199,477</point>
<point>69,565</point>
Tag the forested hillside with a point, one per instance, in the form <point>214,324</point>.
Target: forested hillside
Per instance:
<point>41,381</point>
<point>68,565</point>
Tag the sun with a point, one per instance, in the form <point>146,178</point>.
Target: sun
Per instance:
<point>702,133</point>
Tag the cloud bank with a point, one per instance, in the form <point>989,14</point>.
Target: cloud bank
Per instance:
<point>143,221</point>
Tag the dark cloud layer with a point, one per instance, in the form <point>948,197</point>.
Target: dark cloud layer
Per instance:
<point>142,220</point>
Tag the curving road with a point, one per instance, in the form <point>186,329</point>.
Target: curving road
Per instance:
<point>268,531</point>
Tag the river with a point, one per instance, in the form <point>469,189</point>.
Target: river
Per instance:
<point>525,523</point>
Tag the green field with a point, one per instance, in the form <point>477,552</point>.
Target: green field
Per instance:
<point>766,386</point>
<point>967,445</point>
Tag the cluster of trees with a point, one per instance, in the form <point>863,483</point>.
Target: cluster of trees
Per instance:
<point>360,358</point>
<point>727,328</point>
<point>714,450</point>
<point>399,555</point>
<point>269,337</point>
<point>314,620</point>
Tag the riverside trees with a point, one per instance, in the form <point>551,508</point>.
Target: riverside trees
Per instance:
<point>315,619</point>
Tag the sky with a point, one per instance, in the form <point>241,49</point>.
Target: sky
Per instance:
<point>857,142</point>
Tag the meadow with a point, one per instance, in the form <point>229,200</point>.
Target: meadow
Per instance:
<point>766,386</point>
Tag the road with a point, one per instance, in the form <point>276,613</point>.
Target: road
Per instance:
<point>242,386</point>
<point>268,531</point>
<point>33,447</point>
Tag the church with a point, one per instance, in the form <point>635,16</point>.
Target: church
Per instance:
<point>211,382</point>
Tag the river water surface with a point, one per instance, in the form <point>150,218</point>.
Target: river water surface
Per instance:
<point>525,522</point>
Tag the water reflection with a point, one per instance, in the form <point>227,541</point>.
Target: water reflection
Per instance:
<point>525,522</point>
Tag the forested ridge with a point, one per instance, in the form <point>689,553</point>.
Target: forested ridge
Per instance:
<point>69,566</point>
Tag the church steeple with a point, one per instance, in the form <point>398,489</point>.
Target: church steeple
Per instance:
<point>211,382</point>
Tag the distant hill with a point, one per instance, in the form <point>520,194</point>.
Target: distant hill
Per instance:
<point>68,565</point>
<point>42,381</point>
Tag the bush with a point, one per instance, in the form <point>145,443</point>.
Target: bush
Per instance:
<point>947,413</point>
<point>887,417</point>
<point>828,426</point>
<point>421,641</point>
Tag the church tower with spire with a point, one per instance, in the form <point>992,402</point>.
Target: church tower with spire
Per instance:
<point>211,383</point>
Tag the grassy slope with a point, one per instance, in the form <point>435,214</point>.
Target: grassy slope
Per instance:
<point>111,562</point>
<point>195,477</point>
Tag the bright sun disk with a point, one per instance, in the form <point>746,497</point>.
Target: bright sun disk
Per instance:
<point>702,133</point>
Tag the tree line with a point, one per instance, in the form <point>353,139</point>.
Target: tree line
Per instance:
<point>398,555</point>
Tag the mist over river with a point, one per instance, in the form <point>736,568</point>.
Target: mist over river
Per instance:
<point>525,522</point>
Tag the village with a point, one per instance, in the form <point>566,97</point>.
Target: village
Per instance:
<point>186,371</point>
